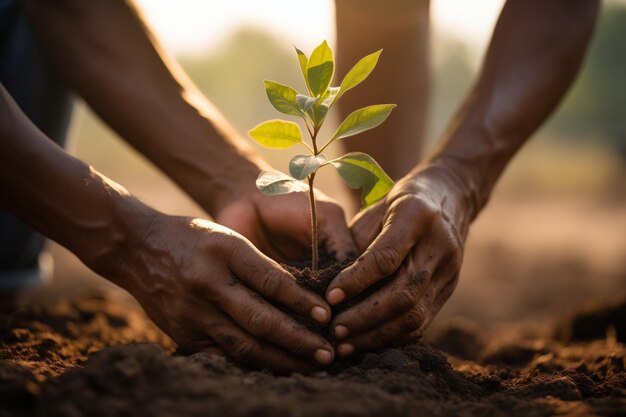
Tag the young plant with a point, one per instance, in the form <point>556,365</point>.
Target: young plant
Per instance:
<point>358,169</point>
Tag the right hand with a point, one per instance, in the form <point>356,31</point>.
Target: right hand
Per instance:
<point>204,284</point>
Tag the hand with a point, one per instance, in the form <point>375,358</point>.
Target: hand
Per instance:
<point>204,284</point>
<point>414,236</point>
<point>280,226</point>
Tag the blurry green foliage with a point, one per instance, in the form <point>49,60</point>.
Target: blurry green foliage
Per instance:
<point>230,76</point>
<point>597,104</point>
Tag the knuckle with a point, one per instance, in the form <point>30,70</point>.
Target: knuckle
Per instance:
<point>261,322</point>
<point>228,242</point>
<point>298,344</point>
<point>408,201</point>
<point>385,260</point>
<point>357,323</point>
<point>244,351</point>
<point>404,300</point>
<point>414,203</point>
<point>271,283</point>
<point>414,319</point>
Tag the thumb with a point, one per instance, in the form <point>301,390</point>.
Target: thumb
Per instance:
<point>381,259</point>
<point>367,224</point>
<point>334,233</point>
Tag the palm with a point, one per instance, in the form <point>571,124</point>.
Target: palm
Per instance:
<point>280,226</point>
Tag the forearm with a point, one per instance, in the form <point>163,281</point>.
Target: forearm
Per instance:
<point>400,28</point>
<point>105,53</point>
<point>62,197</point>
<point>536,51</point>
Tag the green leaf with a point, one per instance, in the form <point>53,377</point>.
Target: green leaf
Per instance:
<point>320,69</point>
<point>330,95</point>
<point>329,98</point>
<point>303,61</point>
<point>301,166</point>
<point>359,170</point>
<point>278,134</point>
<point>306,102</point>
<point>363,119</point>
<point>275,182</point>
<point>283,98</point>
<point>359,72</point>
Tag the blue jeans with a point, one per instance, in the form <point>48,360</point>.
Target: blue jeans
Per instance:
<point>42,96</point>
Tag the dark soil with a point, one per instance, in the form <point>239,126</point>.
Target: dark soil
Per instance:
<point>318,280</point>
<point>595,320</point>
<point>91,356</point>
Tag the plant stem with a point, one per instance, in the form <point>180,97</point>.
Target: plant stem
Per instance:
<point>314,249</point>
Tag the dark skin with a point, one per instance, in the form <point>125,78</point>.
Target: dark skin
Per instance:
<point>400,28</point>
<point>416,234</point>
<point>207,285</point>
<point>197,280</point>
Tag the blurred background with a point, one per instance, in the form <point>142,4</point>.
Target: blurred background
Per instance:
<point>554,233</point>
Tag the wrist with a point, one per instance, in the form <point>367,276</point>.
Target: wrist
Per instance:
<point>463,183</point>
<point>445,189</point>
<point>123,229</point>
<point>238,182</point>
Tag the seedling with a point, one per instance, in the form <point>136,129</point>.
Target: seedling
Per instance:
<point>358,169</point>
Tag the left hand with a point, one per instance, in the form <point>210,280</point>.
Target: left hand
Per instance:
<point>416,237</point>
<point>280,226</point>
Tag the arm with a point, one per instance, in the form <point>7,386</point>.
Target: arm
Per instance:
<point>196,280</point>
<point>105,52</point>
<point>416,235</point>
<point>400,28</point>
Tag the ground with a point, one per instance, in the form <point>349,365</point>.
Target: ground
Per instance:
<point>535,328</point>
<point>91,356</point>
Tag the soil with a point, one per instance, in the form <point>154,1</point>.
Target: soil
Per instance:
<point>318,280</point>
<point>92,356</point>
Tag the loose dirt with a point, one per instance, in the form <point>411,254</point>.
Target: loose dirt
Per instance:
<point>91,356</point>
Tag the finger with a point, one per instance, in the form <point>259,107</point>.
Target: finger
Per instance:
<point>395,298</point>
<point>214,350</point>
<point>381,259</point>
<point>442,295</point>
<point>403,330</point>
<point>366,225</point>
<point>247,350</point>
<point>390,333</point>
<point>334,232</point>
<point>270,280</point>
<point>266,322</point>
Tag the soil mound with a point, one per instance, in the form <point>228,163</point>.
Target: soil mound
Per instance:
<point>92,357</point>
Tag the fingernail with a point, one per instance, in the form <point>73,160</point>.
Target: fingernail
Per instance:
<point>320,314</point>
<point>341,331</point>
<point>323,356</point>
<point>335,296</point>
<point>345,349</point>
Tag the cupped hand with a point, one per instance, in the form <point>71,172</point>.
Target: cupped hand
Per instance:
<point>280,226</point>
<point>415,236</point>
<point>206,285</point>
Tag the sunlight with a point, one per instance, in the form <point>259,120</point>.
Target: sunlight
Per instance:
<point>190,26</point>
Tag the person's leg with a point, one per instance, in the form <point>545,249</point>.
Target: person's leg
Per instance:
<point>400,28</point>
<point>42,96</point>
